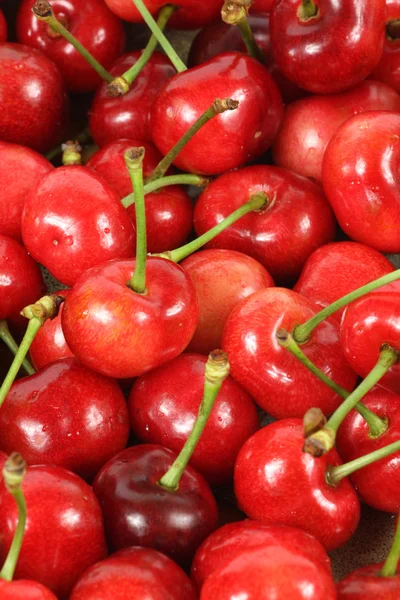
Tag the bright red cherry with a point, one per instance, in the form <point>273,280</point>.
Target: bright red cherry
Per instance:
<point>74,220</point>
<point>359,175</point>
<point>91,22</point>
<point>274,378</point>
<point>277,483</point>
<point>281,236</point>
<point>32,89</point>
<point>230,139</point>
<point>147,515</point>
<point>222,278</point>
<point>3,27</point>
<point>331,50</point>
<point>64,532</point>
<point>191,14</point>
<point>24,590</point>
<point>261,6</point>
<point>310,123</point>
<point>388,68</point>
<point>367,584</point>
<point>128,116</point>
<point>163,409</point>
<point>134,573</point>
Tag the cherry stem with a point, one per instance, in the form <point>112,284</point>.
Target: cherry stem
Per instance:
<point>389,568</point>
<point>302,333</point>
<point>13,473</point>
<point>121,85</point>
<point>8,339</point>
<point>162,40</point>
<point>38,313</point>
<point>217,108</point>
<point>307,10</point>
<point>71,153</point>
<point>153,186</point>
<point>322,441</point>
<point>216,371</point>
<point>81,138</point>
<point>393,29</point>
<point>234,12</point>
<point>134,163</point>
<point>257,202</point>
<point>377,426</point>
<point>43,12</point>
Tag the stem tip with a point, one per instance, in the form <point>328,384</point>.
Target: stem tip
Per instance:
<point>42,9</point>
<point>217,366</point>
<point>220,106</point>
<point>314,420</point>
<point>14,471</point>
<point>118,87</point>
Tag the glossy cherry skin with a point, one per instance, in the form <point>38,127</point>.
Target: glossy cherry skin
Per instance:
<point>24,590</point>
<point>113,119</point>
<point>169,211</point>
<point>15,189</point>
<point>367,584</point>
<point>3,27</point>
<point>309,124</point>
<point>360,176</point>
<point>274,378</point>
<point>32,93</point>
<point>21,282</point>
<point>137,511</point>
<point>233,539</point>
<point>64,532</point>
<point>163,410</point>
<point>388,68</point>
<point>119,333</point>
<point>336,269</point>
<point>222,278</point>
<point>134,573</point>
<point>277,483</point>
<point>297,220</point>
<point>191,14</point>
<point>65,415</point>
<point>267,573</point>
<point>230,139</point>
<point>378,484</point>
<point>262,6</point>
<point>92,23</point>
<point>74,220</point>
<point>333,51</point>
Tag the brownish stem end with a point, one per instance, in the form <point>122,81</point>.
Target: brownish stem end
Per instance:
<point>393,29</point>
<point>42,9</point>
<point>220,106</point>
<point>234,11</point>
<point>320,442</point>
<point>45,308</point>
<point>14,471</point>
<point>313,421</point>
<point>118,87</point>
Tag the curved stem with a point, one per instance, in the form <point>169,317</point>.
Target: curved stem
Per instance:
<point>302,333</point>
<point>216,371</point>
<point>218,107</point>
<point>14,472</point>
<point>389,569</point>
<point>81,138</point>
<point>8,339</point>
<point>153,186</point>
<point>234,12</point>
<point>162,40</point>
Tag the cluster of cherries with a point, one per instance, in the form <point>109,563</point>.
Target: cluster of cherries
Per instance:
<point>147,371</point>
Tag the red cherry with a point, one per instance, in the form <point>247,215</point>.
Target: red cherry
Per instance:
<point>387,69</point>
<point>169,211</point>
<point>3,27</point>
<point>173,522</point>
<point>230,139</point>
<point>24,590</point>
<point>262,5</point>
<point>129,116</point>
<point>296,221</point>
<point>191,14</point>
<point>120,333</point>
<point>163,409</point>
<point>277,483</point>
<point>64,532</point>
<point>310,123</point>
<point>32,89</point>
<point>359,175</point>
<point>73,220</point>
<point>367,584</point>
<point>333,50</point>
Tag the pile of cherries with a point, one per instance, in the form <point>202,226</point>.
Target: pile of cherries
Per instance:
<point>218,233</point>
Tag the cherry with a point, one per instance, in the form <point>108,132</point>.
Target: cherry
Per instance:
<point>3,27</point>
<point>310,123</point>
<point>365,200</point>
<point>249,130</point>
<point>134,573</point>
<point>25,590</point>
<point>33,91</point>
<point>74,220</point>
<point>327,46</point>
<point>262,5</point>
<point>129,116</point>
<point>387,69</point>
<point>222,278</point>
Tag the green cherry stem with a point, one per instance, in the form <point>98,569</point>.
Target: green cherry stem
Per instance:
<point>257,202</point>
<point>216,371</point>
<point>134,163</point>
<point>121,85</point>
<point>234,12</point>
<point>302,333</point>
<point>81,138</point>
<point>162,40</point>
<point>8,339</point>
<point>71,153</point>
<point>389,568</point>
<point>38,313</point>
<point>377,426</point>
<point>153,186</point>
<point>13,473</point>
<point>43,11</point>
<point>307,10</point>
<point>217,108</point>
